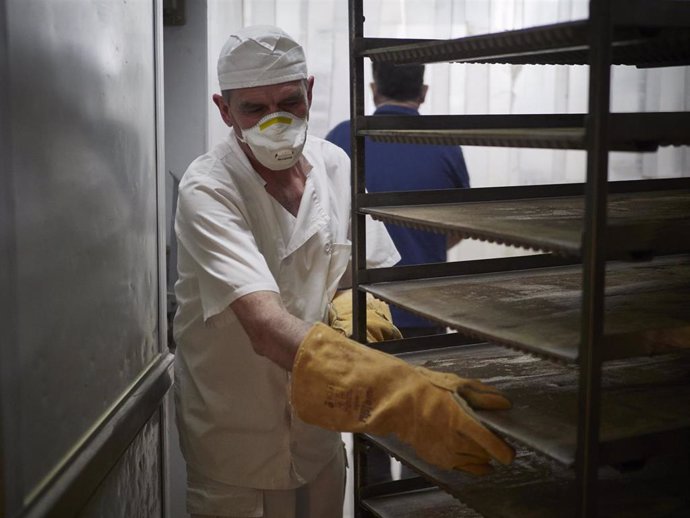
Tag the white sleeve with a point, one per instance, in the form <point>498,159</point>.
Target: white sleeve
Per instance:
<point>381,251</point>
<point>217,237</point>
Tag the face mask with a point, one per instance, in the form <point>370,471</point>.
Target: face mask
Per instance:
<point>276,140</point>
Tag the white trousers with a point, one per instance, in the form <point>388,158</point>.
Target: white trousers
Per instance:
<point>321,498</point>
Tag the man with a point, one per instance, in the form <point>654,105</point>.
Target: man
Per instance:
<point>262,228</point>
<point>400,90</point>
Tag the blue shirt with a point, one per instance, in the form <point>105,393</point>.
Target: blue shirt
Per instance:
<point>408,167</point>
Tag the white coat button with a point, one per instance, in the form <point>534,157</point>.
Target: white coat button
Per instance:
<point>328,248</point>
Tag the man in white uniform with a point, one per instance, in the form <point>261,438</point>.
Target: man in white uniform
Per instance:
<point>263,225</point>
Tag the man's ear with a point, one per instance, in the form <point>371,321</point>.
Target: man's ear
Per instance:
<point>375,93</point>
<point>422,93</point>
<point>310,88</point>
<point>223,109</point>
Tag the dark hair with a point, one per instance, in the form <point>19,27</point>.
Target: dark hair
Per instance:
<point>398,82</point>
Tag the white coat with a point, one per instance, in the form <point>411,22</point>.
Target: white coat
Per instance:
<point>234,417</point>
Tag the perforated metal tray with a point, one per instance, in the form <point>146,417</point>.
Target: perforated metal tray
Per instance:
<point>561,43</point>
<point>627,131</point>
<point>536,487</point>
<point>647,307</point>
<point>645,401</point>
<point>655,222</point>
<point>427,503</point>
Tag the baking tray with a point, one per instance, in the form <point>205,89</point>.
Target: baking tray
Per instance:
<point>426,503</point>
<point>555,44</point>
<point>647,307</point>
<point>539,488</point>
<point>644,406</point>
<point>640,222</point>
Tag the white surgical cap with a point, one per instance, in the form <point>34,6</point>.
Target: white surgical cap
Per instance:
<point>258,56</point>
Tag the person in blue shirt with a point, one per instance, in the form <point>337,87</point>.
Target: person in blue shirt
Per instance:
<point>400,90</point>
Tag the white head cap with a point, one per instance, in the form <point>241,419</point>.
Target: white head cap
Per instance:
<point>260,55</point>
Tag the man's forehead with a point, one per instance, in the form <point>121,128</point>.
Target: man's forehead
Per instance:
<point>259,93</point>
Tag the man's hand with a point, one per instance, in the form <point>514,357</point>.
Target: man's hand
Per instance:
<point>379,321</point>
<point>341,385</point>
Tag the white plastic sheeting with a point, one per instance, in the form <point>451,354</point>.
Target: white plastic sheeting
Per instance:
<point>322,27</point>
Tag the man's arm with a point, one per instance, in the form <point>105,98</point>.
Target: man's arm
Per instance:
<point>274,333</point>
<point>332,372</point>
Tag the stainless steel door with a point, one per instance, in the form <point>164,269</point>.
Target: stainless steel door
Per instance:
<point>84,362</point>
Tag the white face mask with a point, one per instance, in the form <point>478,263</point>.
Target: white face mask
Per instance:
<point>276,140</point>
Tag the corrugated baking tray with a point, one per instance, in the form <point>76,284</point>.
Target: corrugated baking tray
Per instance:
<point>647,307</point>
<point>641,222</point>
<point>536,487</point>
<point>423,503</point>
<point>644,407</point>
<point>556,44</point>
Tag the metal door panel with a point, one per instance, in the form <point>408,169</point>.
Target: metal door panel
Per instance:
<point>83,132</point>
<point>133,487</point>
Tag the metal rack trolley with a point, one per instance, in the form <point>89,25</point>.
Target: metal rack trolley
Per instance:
<point>616,240</point>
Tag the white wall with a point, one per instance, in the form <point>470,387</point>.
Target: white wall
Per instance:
<point>186,137</point>
<point>321,26</point>
<point>224,16</point>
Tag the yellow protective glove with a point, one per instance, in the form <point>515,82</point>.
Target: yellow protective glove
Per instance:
<point>379,321</point>
<point>341,385</point>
